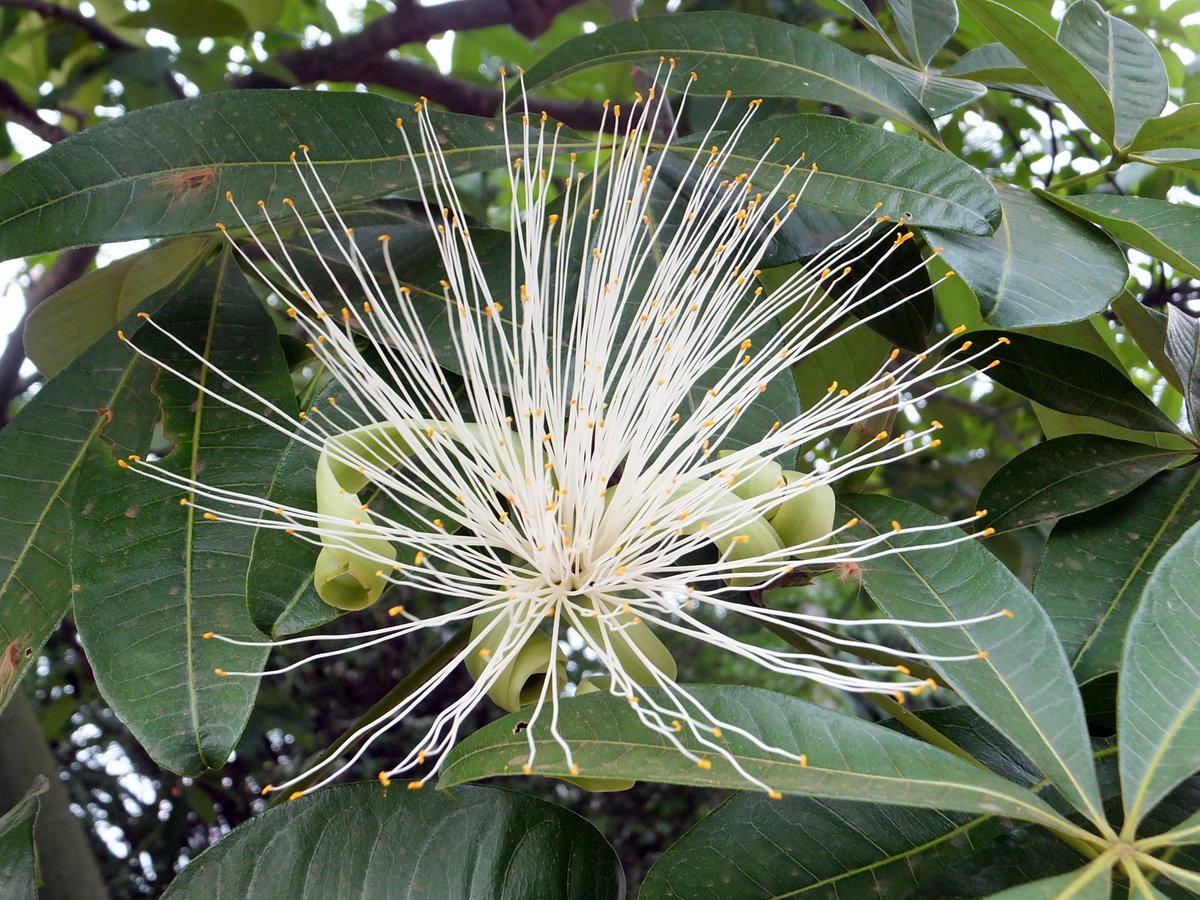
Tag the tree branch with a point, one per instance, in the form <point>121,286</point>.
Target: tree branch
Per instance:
<point>468,97</point>
<point>98,32</point>
<point>13,108</point>
<point>410,24</point>
<point>95,30</point>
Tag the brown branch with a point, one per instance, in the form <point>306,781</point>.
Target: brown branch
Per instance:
<point>69,265</point>
<point>15,109</point>
<point>95,30</point>
<point>98,32</point>
<point>410,24</point>
<point>470,98</point>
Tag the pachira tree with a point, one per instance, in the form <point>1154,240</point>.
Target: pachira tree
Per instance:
<point>791,402</point>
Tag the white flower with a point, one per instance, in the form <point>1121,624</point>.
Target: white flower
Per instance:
<point>570,479</point>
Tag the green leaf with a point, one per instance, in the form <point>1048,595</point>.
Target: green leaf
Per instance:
<point>1066,476</point>
<point>1149,331</point>
<point>158,575</point>
<point>71,320</point>
<point>41,452</point>
<point>924,26</point>
<point>1071,381</point>
<point>992,63</point>
<point>1183,348</point>
<point>18,854</point>
<point>280,594</point>
<point>1092,882</point>
<point>1167,231</point>
<point>1095,566</point>
<point>1177,129</point>
<point>847,758</point>
<point>1038,707</point>
<point>1041,267</point>
<point>937,93</point>
<point>358,840</point>
<point>748,55</point>
<point>1052,63</point>
<point>752,846</point>
<point>859,166</point>
<point>165,171</point>
<point>860,11</point>
<point>1158,701</point>
<point>1123,60</point>
<point>190,18</point>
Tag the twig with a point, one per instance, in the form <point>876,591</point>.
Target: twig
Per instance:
<point>410,23</point>
<point>97,31</point>
<point>16,110</point>
<point>467,97</point>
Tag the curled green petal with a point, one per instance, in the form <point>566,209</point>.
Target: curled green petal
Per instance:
<point>632,639</point>
<point>350,570</point>
<point>807,517</point>
<point>520,681</point>
<point>754,536</point>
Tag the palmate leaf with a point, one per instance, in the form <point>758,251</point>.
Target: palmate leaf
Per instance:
<point>847,758</point>
<point>1037,708</point>
<point>1096,565</point>
<point>165,171</point>
<point>358,840</point>
<point>157,574</point>
<point>71,320</point>
<point>859,166</point>
<point>748,55</point>
<point>1068,475</point>
<point>754,847</point>
<point>1158,701</point>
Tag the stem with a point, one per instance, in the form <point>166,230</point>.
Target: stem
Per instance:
<point>1114,162</point>
<point>921,728</point>
<point>411,682</point>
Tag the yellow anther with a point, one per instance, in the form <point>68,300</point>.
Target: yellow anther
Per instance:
<point>295,795</point>
<point>221,673</point>
<point>704,764</point>
<point>208,634</point>
<point>396,611</point>
<point>383,779</point>
<point>415,785</point>
<point>774,795</point>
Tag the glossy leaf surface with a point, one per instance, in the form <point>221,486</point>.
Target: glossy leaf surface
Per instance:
<point>1038,709</point>
<point>847,758</point>
<point>1096,565</point>
<point>159,574</point>
<point>359,840</point>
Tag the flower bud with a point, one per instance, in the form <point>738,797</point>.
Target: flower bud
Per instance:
<point>631,639</point>
<point>805,517</point>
